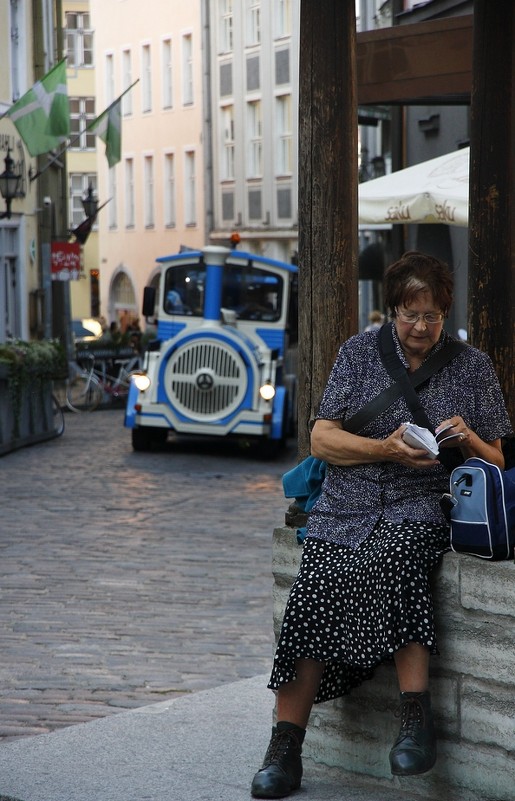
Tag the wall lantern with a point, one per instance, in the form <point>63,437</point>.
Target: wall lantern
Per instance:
<point>90,203</point>
<point>91,209</point>
<point>9,183</point>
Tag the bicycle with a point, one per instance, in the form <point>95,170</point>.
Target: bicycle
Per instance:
<point>117,385</point>
<point>88,384</point>
<point>81,391</point>
<point>57,417</point>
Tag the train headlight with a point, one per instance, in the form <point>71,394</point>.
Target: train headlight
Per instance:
<point>267,391</point>
<point>142,381</point>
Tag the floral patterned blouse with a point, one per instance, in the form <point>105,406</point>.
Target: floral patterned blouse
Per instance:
<point>354,498</point>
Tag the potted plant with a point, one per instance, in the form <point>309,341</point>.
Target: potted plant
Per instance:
<point>26,373</point>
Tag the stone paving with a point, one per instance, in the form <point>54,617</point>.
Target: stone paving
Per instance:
<point>129,578</point>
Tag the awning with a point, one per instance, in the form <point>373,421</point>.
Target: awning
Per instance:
<point>434,191</point>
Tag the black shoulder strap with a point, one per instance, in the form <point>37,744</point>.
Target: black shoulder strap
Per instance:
<point>393,365</point>
<point>396,369</point>
<point>398,372</point>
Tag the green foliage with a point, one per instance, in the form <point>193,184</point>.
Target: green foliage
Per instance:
<point>29,365</point>
<point>45,359</point>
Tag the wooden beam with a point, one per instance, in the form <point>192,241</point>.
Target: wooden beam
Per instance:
<point>492,181</point>
<point>426,63</point>
<point>328,180</point>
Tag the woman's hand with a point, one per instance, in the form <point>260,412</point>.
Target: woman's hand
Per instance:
<point>469,443</point>
<point>399,451</point>
<point>456,429</point>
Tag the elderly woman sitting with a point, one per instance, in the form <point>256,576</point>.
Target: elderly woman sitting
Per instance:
<point>377,531</point>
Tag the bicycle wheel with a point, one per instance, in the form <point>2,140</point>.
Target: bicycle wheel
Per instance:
<point>57,417</point>
<point>83,393</point>
<point>59,390</point>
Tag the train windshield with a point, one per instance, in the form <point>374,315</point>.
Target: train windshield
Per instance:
<point>254,294</point>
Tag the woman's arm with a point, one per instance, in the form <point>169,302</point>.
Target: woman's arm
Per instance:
<point>336,446</point>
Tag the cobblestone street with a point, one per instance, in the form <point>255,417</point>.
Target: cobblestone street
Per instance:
<point>128,578</point>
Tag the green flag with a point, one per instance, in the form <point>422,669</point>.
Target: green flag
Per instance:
<point>42,115</point>
<point>108,126</point>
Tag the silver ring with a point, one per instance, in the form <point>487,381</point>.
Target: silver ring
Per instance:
<point>462,436</point>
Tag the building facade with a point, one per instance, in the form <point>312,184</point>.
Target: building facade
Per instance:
<point>82,154</point>
<point>25,289</point>
<point>254,65</point>
<point>155,192</point>
<point>209,146</point>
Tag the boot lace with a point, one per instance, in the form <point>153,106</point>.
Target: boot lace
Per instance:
<point>280,745</point>
<point>413,716</point>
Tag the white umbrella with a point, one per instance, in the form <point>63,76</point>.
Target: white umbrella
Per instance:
<point>435,191</point>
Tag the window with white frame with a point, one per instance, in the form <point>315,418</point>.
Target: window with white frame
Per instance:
<point>112,206</point>
<point>129,193</point>
<point>79,39</point>
<point>79,183</point>
<point>148,180</point>
<point>284,164</point>
<point>109,78</point>
<point>126,82</point>
<point>227,172</point>
<point>253,22</point>
<point>170,215</point>
<point>167,73</point>
<point>283,17</point>
<point>146,79</point>
<point>255,139</point>
<point>187,69</point>
<point>226,26</point>
<point>190,204</point>
<point>82,113</point>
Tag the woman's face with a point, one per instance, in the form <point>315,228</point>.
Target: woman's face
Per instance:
<point>418,338</point>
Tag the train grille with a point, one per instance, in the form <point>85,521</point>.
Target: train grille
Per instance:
<point>206,380</point>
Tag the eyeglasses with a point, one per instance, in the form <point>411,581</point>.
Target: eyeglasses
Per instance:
<point>431,318</point>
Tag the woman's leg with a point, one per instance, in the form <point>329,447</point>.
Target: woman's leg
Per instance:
<point>414,751</point>
<point>412,664</point>
<point>281,772</point>
<point>295,698</point>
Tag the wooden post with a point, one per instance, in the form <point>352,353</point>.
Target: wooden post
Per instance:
<point>328,207</point>
<point>492,182</point>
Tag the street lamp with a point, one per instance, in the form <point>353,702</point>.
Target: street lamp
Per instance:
<point>9,182</point>
<point>91,209</point>
<point>90,203</point>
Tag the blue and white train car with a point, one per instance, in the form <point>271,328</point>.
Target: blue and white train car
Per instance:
<point>221,364</point>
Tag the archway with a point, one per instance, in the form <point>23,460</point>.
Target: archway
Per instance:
<point>123,307</point>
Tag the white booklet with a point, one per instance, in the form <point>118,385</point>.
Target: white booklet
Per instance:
<point>419,437</point>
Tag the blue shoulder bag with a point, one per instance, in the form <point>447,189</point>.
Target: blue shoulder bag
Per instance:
<point>482,510</point>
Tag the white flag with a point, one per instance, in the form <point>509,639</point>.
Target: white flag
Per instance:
<point>42,115</point>
<point>108,126</point>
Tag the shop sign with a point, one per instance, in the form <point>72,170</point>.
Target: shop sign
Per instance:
<point>65,260</point>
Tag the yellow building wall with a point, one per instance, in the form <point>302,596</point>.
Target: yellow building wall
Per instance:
<point>26,211</point>
<point>131,250</point>
<point>82,83</point>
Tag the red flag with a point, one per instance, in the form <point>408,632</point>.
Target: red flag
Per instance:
<point>83,230</point>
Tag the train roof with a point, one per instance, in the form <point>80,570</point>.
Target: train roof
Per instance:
<point>233,257</point>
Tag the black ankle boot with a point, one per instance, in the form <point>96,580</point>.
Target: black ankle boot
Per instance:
<point>414,750</point>
<point>282,766</point>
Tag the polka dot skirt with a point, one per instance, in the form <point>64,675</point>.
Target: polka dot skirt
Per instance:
<point>352,609</point>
